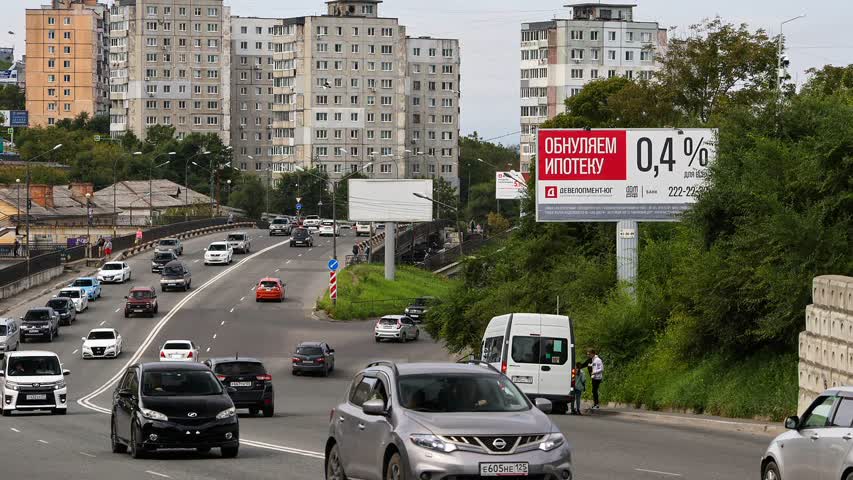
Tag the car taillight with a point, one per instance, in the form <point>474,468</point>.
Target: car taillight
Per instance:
<point>264,378</point>
<point>162,354</point>
<point>321,360</point>
<point>190,355</point>
<point>221,377</point>
<point>295,360</point>
<point>574,376</point>
<point>503,366</point>
<point>331,414</point>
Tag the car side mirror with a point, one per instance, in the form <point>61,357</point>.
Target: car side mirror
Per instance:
<point>331,350</point>
<point>792,423</point>
<point>83,338</point>
<point>544,404</point>
<point>2,374</point>
<point>125,297</point>
<point>374,407</point>
<point>205,249</point>
<point>65,373</point>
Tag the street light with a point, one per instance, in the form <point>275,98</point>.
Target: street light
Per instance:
<point>203,151</point>
<point>88,223</point>
<point>151,183</point>
<point>29,180</point>
<point>779,53</point>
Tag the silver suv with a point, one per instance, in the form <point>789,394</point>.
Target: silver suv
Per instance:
<point>442,421</point>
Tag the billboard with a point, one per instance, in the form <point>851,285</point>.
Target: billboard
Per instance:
<point>615,174</point>
<point>14,118</point>
<point>507,187</point>
<point>390,200</point>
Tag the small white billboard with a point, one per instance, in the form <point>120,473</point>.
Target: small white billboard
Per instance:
<point>508,186</point>
<point>390,200</point>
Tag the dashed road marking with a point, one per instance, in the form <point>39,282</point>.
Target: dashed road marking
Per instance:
<point>86,454</point>
<point>208,349</point>
<point>242,299</point>
<point>232,310</point>
<point>102,323</point>
<point>118,309</point>
<point>162,475</point>
<point>222,323</point>
<point>299,255</point>
<point>42,441</point>
<point>195,261</point>
<point>75,351</point>
<point>214,336</point>
<point>288,261</point>
<point>14,430</point>
<point>657,472</point>
<point>277,270</point>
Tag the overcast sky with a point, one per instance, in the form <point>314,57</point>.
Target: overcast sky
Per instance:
<point>489,33</point>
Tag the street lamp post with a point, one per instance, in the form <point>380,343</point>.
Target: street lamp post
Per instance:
<point>187,181</point>
<point>779,52</point>
<point>320,208</point>
<point>151,183</point>
<point>29,180</point>
<point>88,224</point>
<point>18,218</point>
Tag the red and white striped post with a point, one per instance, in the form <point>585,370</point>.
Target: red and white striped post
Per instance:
<point>333,287</point>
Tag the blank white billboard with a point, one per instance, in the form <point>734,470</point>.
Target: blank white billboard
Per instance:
<point>390,200</point>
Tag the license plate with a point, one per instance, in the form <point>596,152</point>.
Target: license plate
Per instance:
<point>138,311</point>
<point>267,289</point>
<point>308,362</point>
<point>504,469</point>
<point>522,379</point>
<point>176,355</point>
<point>173,284</point>
<point>241,384</point>
<point>37,397</point>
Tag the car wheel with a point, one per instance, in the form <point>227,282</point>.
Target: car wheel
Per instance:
<point>269,411</point>
<point>294,373</point>
<point>326,372</point>
<point>7,412</point>
<point>560,408</point>
<point>254,411</point>
<point>135,449</point>
<point>126,314</point>
<point>334,465</point>
<point>50,336</point>
<point>771,472</point>
<point>394,470</point>
<point>229,452</point>
<point>376,339</point>
<point>156,309</point>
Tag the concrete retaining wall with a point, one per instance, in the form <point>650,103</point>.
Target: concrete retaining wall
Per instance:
<point>29,282</point>
<point>827,343</point>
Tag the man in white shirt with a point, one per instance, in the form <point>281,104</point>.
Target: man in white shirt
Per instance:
<point>597,375</point>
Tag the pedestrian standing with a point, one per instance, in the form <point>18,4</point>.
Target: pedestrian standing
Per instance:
<point>138,236</point>
<point>597,376</point>
<point>580,388</point>
<point>355,253</point>
<point>17,246</point>
<point>100,246</point>
<point>108,248</point>
<point>367,252</point>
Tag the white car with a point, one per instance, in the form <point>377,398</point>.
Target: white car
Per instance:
<point>311,222</point>
<point>327,229</point>
<point>33,380</point>
<point>362,228</point>
<point>114,272</point>
<point>179,351</point>
<point>101,343</point>
<point>396,327</point>
<point>218,252</point>
<point>77,295</point>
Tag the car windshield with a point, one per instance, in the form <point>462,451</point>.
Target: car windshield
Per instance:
<point>103,335</point>
<point>300,233</point>
<point>180,384</point>
<point>233,369</point>
<point>33,366</point>
<point>82,282</point>
<point>141,294</point>
<point>309,351</point>
<point>163,256</point>
<point>70,294</point>
<point>236,238</point>
<point>37,315</point>
<point>112,266</point>
<point>57,304</point>
<point>176,346</point>
<point>388,321</point>
<point>280,221</point>
<point>174,270</point>
<point>217,247</point>
<point>421,302</point>
<point>269,284</point>
<point>460,393</point>
<point>168,243</point>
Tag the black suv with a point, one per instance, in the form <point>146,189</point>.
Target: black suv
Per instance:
<point>418,310</point>
<point>251,384</point>
<point>40,322</point>
<point>301,236</point>
<point>65,308</point>
<point>161,259</point>
<point>173,405</point>
<point>176,275</point>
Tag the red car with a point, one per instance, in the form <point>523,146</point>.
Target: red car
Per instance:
<point>270,289</point>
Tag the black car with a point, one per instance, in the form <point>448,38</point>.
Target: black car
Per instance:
<point>172,405</point>
<point>301,236</point>
<point>65,308</point>
<point>419,308</point>
<point>40,322</point>
<point>161,259</point>
<point>313,357</point>
<point>176,275</point>
<point>251,384</point>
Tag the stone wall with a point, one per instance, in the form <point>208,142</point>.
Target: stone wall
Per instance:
<point>826,345</point>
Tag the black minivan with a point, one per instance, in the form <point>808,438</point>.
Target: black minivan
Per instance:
<point>173,406</point>
<point>176,275</point>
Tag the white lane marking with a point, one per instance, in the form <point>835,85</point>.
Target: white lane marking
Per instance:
<point>86,454</point>
<point>299,255</point>
<point>309,250</point>
<point>42,441</point>
<point>232,310</point>
<point>195,261</point>
<point>118,309</point>
<point>288,261</point>
<point>86,401</point>
<point>242,299</point>
<point>277,270</point>
<point>14,430</point>
<point>208,349</point>
<point>252,289</point>
<point>281,448</point>
<point>102,323</point>
<point>668,474</point>
<point>75,351</point>
<point>162,475</point>
<point>222,323</point>
<point>214,336</point>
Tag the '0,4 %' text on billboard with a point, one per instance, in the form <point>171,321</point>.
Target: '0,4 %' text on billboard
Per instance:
<point>609,174</point>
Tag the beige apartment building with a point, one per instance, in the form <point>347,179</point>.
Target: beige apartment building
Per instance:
<point>66,73</point>
<point>342,91</point>
<point>170,64</point>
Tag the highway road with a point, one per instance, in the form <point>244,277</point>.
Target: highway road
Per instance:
<point>222,317</point>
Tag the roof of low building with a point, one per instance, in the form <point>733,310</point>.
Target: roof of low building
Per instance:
<point>163,193</point>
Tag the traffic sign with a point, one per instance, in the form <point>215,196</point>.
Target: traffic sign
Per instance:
<point>298,199</point>
<point>333,286</point>
<point>333,264</point>
<point>298,206</point>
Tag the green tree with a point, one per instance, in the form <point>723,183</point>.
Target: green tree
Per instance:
<point>472,172</point>
<point>310,186</point>
<point>12,98</point>
<point>829,80</point>
<point>248,196</point>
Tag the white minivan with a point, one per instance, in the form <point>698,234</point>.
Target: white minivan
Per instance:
<point>536,351</point>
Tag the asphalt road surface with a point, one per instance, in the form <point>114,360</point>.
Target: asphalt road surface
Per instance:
<point>220,314</point>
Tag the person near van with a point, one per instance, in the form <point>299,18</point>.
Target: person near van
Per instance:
<point>580,388</point>
<point>597,376</point>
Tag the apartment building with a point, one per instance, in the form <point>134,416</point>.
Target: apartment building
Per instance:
<point>341,85</point>
<point>432,130</point>
<point>559,57</point>
<point>170,64</point>
<point>252,45</point>
<point>67,53</point>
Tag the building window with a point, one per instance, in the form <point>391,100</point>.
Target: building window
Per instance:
<point>645,56</point>
<point>385,168</point>
<point>577,73</point>
<point>577,54</point>
<point>593,35</point>
<point>629,36</point>
<point>611,36</point>
<point>611,54</point>
<point>51,21</point>
<point>646,37</point>
<point>629,55</point>
<point>66,35</point>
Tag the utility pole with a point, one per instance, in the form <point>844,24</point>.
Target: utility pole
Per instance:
<point>779,51</point>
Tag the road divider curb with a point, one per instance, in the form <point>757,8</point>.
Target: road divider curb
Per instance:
<point>184,235</point>
<point>696,421</point>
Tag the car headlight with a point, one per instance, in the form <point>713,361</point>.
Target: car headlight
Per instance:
<point>87,349</point>
<point>59,385</point>
<point>151,414</point>
<point>406,310</point>
<point>153,264</point>
<point>11,385</point>
<point>111,347</point>
<point>227,413</point>
<point>432,442</point>
<point>552,441</point>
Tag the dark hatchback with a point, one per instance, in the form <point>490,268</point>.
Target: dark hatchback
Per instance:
<point>65,308</point>
<point>301,236</point>
<point>161,259</point>
<point>249,383</point>
<point>419,308</point>
<point>173,406</point>
<point>313,357</point>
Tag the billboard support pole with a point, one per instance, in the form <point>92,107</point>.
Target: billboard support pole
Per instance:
<point>627,260</point>
<point>390,251</point>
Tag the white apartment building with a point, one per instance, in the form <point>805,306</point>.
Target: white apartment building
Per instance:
<point>558,57</point>
<point>170,64</point>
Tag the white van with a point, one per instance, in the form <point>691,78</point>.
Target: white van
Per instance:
<point>10,335</point>
<point>536,351</point>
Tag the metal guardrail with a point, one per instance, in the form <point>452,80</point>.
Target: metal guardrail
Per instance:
<point>18,271</point>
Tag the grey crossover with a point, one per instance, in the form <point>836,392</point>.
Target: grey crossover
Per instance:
<point>442,421</point>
